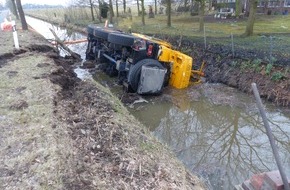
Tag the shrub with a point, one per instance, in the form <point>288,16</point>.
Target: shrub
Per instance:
<point>256,65</point>
<point>269,68</point>
<point>104,8</point>
<point>277,76</point>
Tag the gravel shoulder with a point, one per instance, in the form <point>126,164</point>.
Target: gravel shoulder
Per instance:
<point>58,132</point>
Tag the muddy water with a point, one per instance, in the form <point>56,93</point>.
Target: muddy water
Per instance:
<point>215,130</point>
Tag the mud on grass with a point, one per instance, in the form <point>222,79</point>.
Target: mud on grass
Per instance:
<point>114,151</point>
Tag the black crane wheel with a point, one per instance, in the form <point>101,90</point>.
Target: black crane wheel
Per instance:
<point>121,39</point>
<point>135,71</point>
<point>103,32</point>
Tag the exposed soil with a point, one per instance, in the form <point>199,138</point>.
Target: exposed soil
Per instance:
<point>239,73</point>
<point>58,132</point>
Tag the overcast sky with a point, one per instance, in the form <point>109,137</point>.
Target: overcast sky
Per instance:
<point>41,2</point>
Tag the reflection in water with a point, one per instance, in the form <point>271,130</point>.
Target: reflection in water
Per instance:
<point>224,143</point>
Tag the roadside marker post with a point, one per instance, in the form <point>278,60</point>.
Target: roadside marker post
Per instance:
<point>233,50</point>
<point>15,37</point>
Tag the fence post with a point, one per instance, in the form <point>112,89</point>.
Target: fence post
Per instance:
<point>271,47</point>
<point>204,37</point>
<point>233,50</point>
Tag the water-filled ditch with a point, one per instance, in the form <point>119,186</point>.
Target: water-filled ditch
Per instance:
<point>213,129</point>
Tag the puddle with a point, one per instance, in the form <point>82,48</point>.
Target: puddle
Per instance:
<point>215,130</point>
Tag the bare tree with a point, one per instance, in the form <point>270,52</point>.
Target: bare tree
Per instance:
<point>92,9</point>
<point>168,2</point>
<point>238,7</point>
<point>117,9</point>
<point>155,7</point>
<point>185,3</point>
<point>143,12</point>
<point>201,15</point>
<point>21,14</point>
<point>111,11</point>
<point>138,9</point>
<point>124,5</point>
<point>251,20</point>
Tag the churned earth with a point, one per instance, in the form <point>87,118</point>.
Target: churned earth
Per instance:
<point>58,132</point>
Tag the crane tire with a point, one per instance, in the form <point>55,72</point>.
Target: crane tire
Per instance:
<point>103,33</point>
<point>135,71</point>
<point>121,39</point>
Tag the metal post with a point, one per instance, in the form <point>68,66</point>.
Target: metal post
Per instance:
<point>271,47</point>
<point>204,37</point>
<point>233,50</point>
<point>270,136</point>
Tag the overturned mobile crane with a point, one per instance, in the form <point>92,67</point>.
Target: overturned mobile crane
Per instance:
<point>143,64</point>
